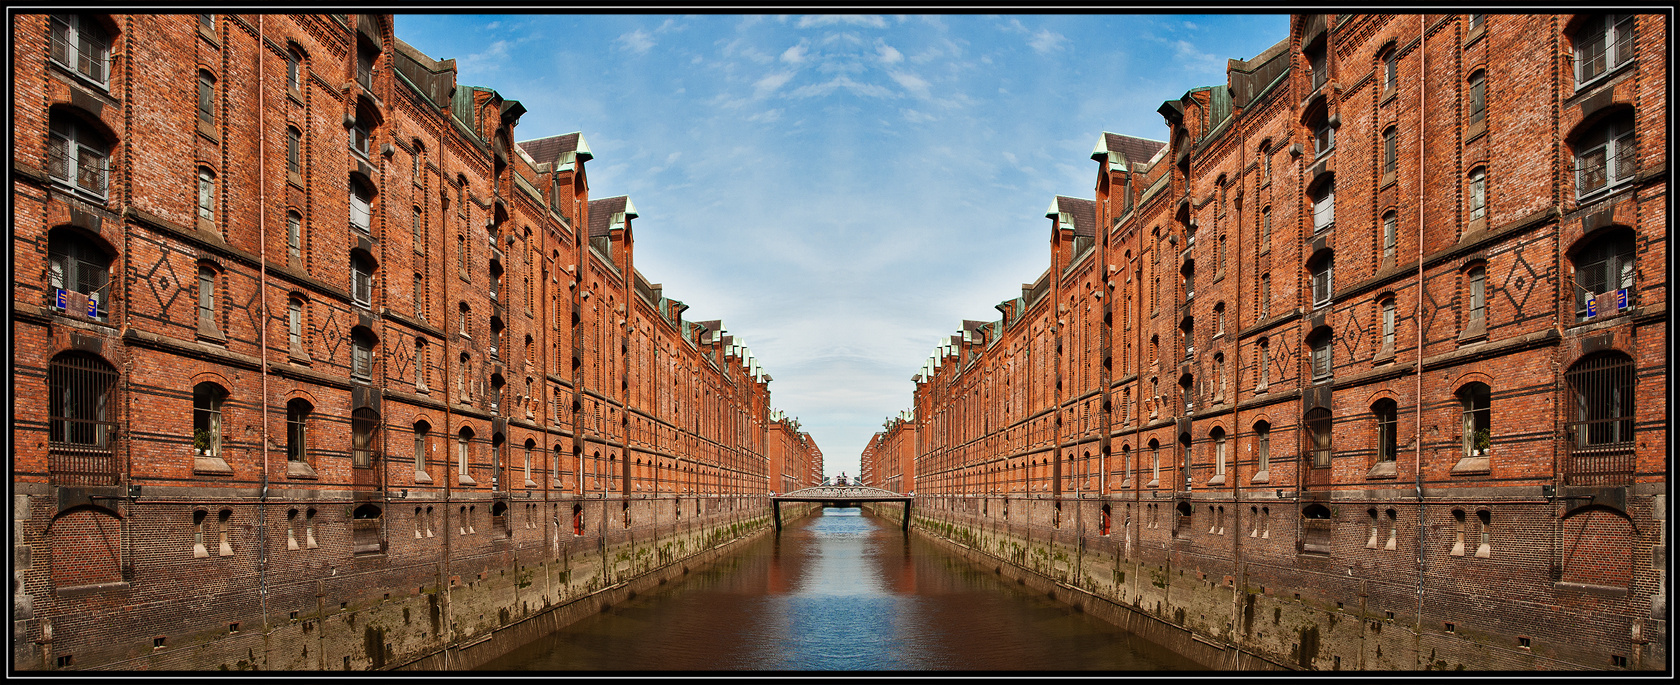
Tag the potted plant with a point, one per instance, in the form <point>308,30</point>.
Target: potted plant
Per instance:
<point>1480,442</point>
<point>201,441</point>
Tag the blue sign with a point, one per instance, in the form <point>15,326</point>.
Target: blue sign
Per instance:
<point>93,306</point>
<point>1592,305</point>
<point>1621,299</point>
<point>58,298</point>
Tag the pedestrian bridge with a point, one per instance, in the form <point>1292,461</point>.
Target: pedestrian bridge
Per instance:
<point>839,496</point>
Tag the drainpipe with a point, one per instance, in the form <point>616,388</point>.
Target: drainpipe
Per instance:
<point>1417,321</point>
<point>262,331</point>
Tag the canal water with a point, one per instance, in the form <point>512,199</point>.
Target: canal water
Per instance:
<point>842,590</point>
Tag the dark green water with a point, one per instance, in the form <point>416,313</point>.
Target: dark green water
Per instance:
<point>841,591</point>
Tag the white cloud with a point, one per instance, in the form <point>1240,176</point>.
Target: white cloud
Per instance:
<point>1186,54</point>
<point>887,54</point>
<point>637,41</point>
<point>871,21</point>
<point>916,117</point>
<point>1042,41</point>
<point>768,116</point>
<point>857,88</point>
<point>911,82</point>
<point>770,83</point>
<point>794,55</point>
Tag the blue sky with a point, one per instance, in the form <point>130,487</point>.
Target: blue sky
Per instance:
<point>841,190</point>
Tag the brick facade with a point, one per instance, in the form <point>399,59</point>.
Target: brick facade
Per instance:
<point>1389,227</point>
<point>373,336</point>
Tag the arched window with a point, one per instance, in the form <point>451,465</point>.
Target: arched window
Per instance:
<point>1265,305</point>
<point>1390,237</point>
<point>420,364</point>
<point>361,279</point>
<point>78,271</point>
<point>1605,155</point>
<point>1604,265</point>
<point>462,453</point>
<point>1387,415</point>
<point>367,529</point>
<point>1391,69</point>
<point>294,154</point>
<point>1601,44</point>
<point>1322,363</point>
<point>529,444</point>
<point>294,237</point>
<point>81,422</point>
<point>364,437</point>
<point>1600,420</point>
<point>1477,194</point>
<point>1476,279</point>
<point>206,99</point>
<point>207,300</point>
<point>1218,437</point>
<point>1316,529</point>
<point>1388,315</point>
<point>82,46</point>
<point>1155,463</point>
<point>1318,434</point>
<point>422,433</point>
<point>420,296</point>
<point>1478,96</point>
<point>297,422</point>
<point>361,354</point>
<point>1322,269</point>
<point>294,68</point>
<point>294,325</point>
<point>1474,400</point>
<point>206,197</point>
<point>1324,206</point>
<point>361,201</point>
<point>77,155</point>
<point>1262,447</point>
<point>207,419</point>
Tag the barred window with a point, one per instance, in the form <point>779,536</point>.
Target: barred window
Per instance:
<point>82,46</point>
<point>77,156</point>
<point>81,406</point>
<point>1318,433</point>
<point>76,265</point>
<point>364,437</point>
<point>1605,156</point>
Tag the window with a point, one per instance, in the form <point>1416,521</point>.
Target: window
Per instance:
<point>461,255</point>
<point>1390,236</point>
<point>294,324</point>
<point>360,200</point>
<point>1265,164</point>
<point>207,419</point>
<point>80,417</point>
<point>422,431</point>
<point>206,197</point>
<point>361,133</point>
<point>77,269</point>
<point>461,376</point>
<point>1387,416</point>
<point>420,364</point>
<point>1321,362</point>
<point>1478,194</point>
<point>1391,150</point>
<point>1219,452</point>
<point>1478,299</point>
<point>1605,265</point>
<point>1322,272</point>
<point>1324,136</point>
<point>297,421</point>
<point>1391,70</point>
<point>1320,69</point>
<point>76,156</point>
<point>463,441</point>
<point>361,354</point>
<point>294,236</point>
<point>1602,44</point>
<point>361,279</point>
<point>419,231</point>
<point>414,160</point>
<point>294,63</point>
<point>294,152</point>
<point>1324,207</point>
<point>1474,398</point>
<point>82,46</point>
<point>1263,447</point>
<point>206,99</point>
<point>1265,230</point>
<point>1219,372</point>
<point>1458,533</point>
<point>364,437</point>
<point>1605,156</point>
<point>1388,326</point>
<point>1219,319</point>
<point>365,57</point>
<point>1318,433</point>
<point>366,528</point>
<point>1265,296</point>
<point>462,319</point>
<point>1484,521</point>
<point>1264,361</point>
<point>1155,462</point>
<point>206,299</point>
<point>1600,428</point>
<point>1478,96</point>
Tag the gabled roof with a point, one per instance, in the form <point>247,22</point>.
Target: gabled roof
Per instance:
<point>1084,213</point>
<point>1132,149</point>
<point>601,213</point>
<point>550,149</point>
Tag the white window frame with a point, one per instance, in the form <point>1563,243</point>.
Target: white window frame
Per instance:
<point>1478,194</point>
<point>1619,151</point>
<point>1615,33</point>
<point>72,144</point>
<point>1323,281</point>
<point>361,281</point>
<point>83,47</point>
<point>1324,208</point>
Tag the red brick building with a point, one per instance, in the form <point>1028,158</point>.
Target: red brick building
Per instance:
<point>374,334</point>
<point>1443,397</point>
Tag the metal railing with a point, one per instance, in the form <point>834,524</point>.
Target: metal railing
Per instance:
<point>1600,439</point>
<point>81,444</point>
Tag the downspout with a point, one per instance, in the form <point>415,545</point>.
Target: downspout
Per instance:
<point>1417,322</point>
<point>262,331</point>
<point>448,414</point>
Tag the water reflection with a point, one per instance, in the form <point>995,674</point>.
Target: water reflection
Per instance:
<point>840,591</point>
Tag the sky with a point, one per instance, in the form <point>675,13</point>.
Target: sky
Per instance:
<point>842,191</point>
